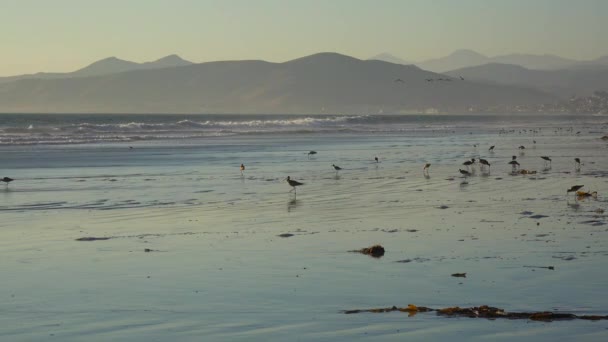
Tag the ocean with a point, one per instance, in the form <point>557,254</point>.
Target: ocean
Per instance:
<point>142,227</point>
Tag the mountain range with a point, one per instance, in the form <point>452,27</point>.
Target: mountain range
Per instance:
<point>320,83</point>
<point>582,80</point>
<point>468,58</point>
<point>105,66</point>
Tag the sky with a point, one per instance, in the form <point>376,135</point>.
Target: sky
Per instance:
<point>65,35</point>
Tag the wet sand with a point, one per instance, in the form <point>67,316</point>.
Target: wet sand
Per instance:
<point>194,251</point>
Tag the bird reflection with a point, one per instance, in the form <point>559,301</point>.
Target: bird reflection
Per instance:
<point>292,204</point>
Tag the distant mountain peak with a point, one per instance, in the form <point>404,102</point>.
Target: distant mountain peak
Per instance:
<point>168,61</point>
<point>324,56</point>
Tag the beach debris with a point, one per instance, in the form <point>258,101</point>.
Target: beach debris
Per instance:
<point>286,235</point>
<point>91,238</point>
<point>484,311</point>
<point>375,251</point>
<point>526,172</point>
<point>459,275</point>
<point>580,194</point>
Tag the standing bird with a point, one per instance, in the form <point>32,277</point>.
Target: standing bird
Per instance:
<point>6,180</point>
<point>577,163</point>
<point>376,159</point>
<point>574,188</point>
<point>426,167</point>
<point>491,148</point>
<point>465,173</point>
<point>242,168</point>
<point>484,162</point>
<point>468,163</point>
<point>293,183</point>
<point>311,153</point>
<point>513,157</point>
<point>546,159</point>
<point>522,147</point>
<point>337,168</point>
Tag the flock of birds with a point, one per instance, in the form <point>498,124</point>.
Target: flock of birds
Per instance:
<point>467,173</point>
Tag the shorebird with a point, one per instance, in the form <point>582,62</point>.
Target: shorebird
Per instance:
<point>546,159</point>
<point>336,167</point>
<point>293,183</point>
<point>376,159</point>
<point>577,163</point>
<point>522,147</point>
<point>514,163</point>
<point>491,148</point>
<point>242,168</point>
<point>574,188</point>
<point>426,167</point>
<point>484,162</point>
<point>513,157</point>
<point>465,173</point>
<point>311,153</point>
<point>6,180</point>
<point>468,163</point>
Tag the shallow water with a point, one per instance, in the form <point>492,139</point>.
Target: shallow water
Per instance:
<point>218,270</point>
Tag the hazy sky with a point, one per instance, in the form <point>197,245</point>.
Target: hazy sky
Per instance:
<point>65,35</point>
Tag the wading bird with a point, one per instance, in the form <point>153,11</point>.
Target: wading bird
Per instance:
<point>577,163</point>
<point>514,163</point>
<point>426,167</point>
<point>468,163</point>
<point>6,180</point>
<point>293,183</point>
<point>242,168</point>
<point>484,162</point>
<point>465,173</point>
<point>311,153</point>
<point>546,159</point>
<point>491,148</point>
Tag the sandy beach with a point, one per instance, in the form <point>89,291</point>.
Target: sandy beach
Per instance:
<point>191,250</point>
